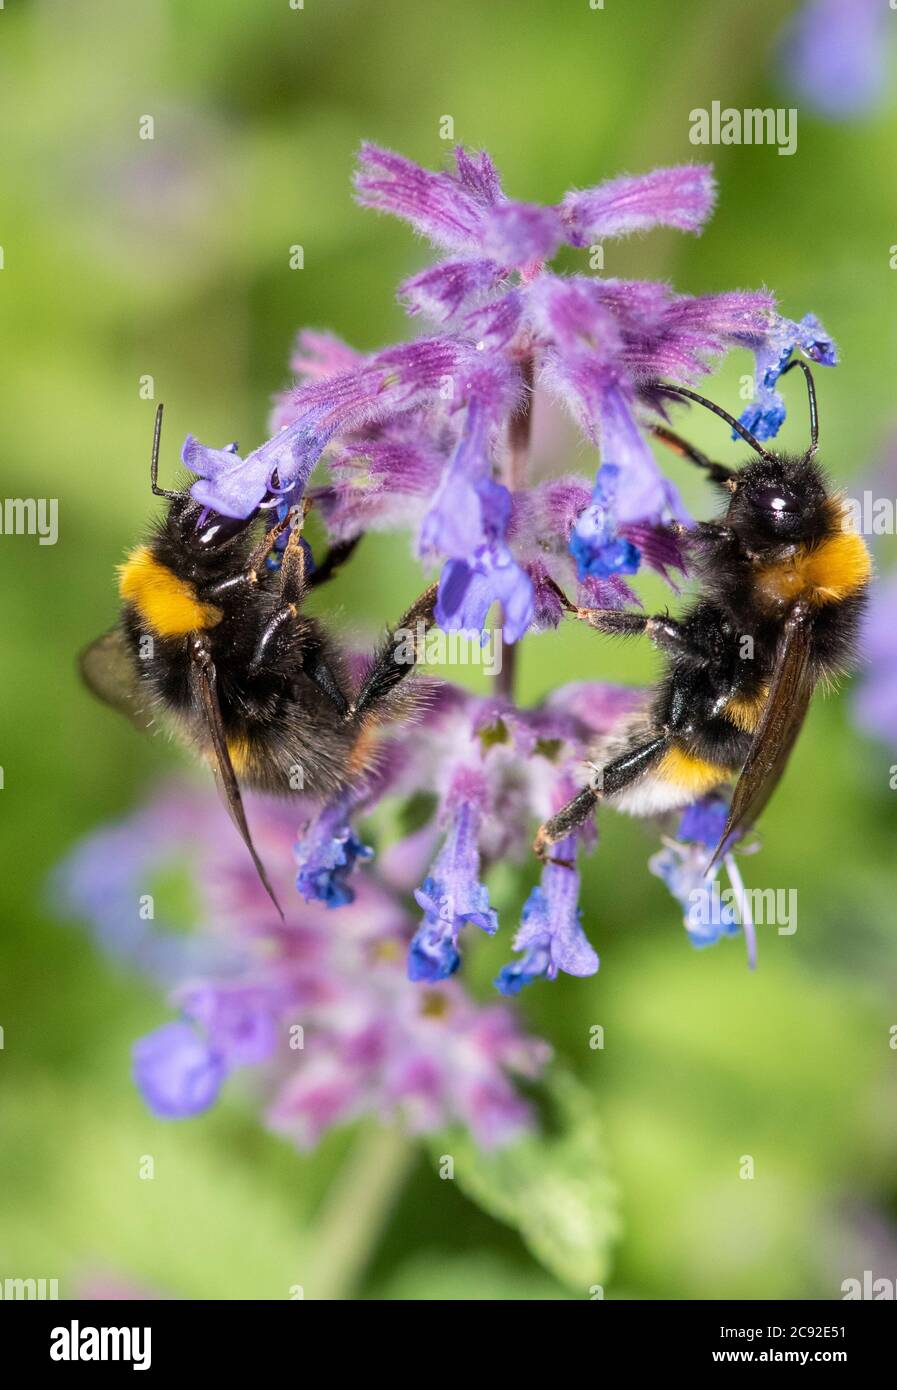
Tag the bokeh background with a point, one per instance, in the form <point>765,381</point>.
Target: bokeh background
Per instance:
<point>124,258</point>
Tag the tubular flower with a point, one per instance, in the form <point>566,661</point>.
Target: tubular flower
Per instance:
<point>352,1005</point>
<point>452,895</point>
<point>325,1019</point>
<point>766,415</point>
<point>423,434</point>
<point>710,914</point>
<point>551,937</point>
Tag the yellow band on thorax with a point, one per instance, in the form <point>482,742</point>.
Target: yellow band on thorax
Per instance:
<point>826,573</point>
<point>168,605</point>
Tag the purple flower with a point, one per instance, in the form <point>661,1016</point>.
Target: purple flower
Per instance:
<point>521,234</point>
<point>469,587</point>
<point>550,936</point>
<point>681,197</point>
<point>595,342</point>
<point>519,765</point>
<point>358,1037</point>
<point>468,590</point>
<point>596,546</point>
<point>391,420</point>
<point>181,1068</point>
<point>385,385</point>
<point>545,519</point>
<point>766,415</point>
<point>452,895</point>
<point>440,291</point>
<point>382,481</point>
<point>458,519</point>
<point>326,855</point>
<point>238,1019</point>
<point>836,55</point>
<point>470,512</point>
<point>448,209</point>
<point>704,821</point>
<point>875,703</point>
<point>458,439</point>
<point>234,486</point>
<point>710,912</point>
<point>583,365</point>
<point>433,953</point>
<point>467,212</point>
<point>177,1072</point>
<point>317,356</point>
<point>683,869</point>
<point>108,881</point>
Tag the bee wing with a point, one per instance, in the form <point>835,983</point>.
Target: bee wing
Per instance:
<point>775,736</point>
<point>107,669</point>
<point>205,682</point>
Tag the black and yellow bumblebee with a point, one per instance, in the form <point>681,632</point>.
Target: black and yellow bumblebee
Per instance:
<point>783,583</point>
<point>212,642</point>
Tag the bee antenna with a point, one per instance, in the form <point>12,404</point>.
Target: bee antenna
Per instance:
<point>154,460</point>
<point>737,426</point>
<point>811,392</point>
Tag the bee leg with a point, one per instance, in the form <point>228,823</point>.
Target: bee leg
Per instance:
<point>569,818</point>
<point>292,522</point>
<point>705,530</point>
<point>664,631</point>
<point>295,578</point>
<point>336,556</point>
<point>717,471</point>
<point>247,578</point>
<point>315,666</point>
<point>294,584</point>
<point>395,661</point>
<point>293,571</point>
<point>606,781</point>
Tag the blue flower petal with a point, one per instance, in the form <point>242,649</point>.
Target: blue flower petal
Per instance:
<point>177,1072</point>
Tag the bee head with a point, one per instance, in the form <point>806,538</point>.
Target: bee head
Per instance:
<point>777,500</point>
<point>201,531</point>
<point>192,527</point>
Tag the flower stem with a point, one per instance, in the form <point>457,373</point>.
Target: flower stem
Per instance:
<point>520,431</point>
<point>355,1210</point>
<point>520,428</point>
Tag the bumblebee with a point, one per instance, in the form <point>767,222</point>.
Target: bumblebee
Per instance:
<point>783,585</point>
<point>212,639</point>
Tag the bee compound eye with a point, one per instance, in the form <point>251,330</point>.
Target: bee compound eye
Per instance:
<point>216,530</point>
<point>776,501</point>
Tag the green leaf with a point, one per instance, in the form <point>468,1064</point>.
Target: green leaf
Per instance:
<point>552,1186</point>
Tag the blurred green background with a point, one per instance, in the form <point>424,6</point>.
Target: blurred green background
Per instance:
<point>169,257</point>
